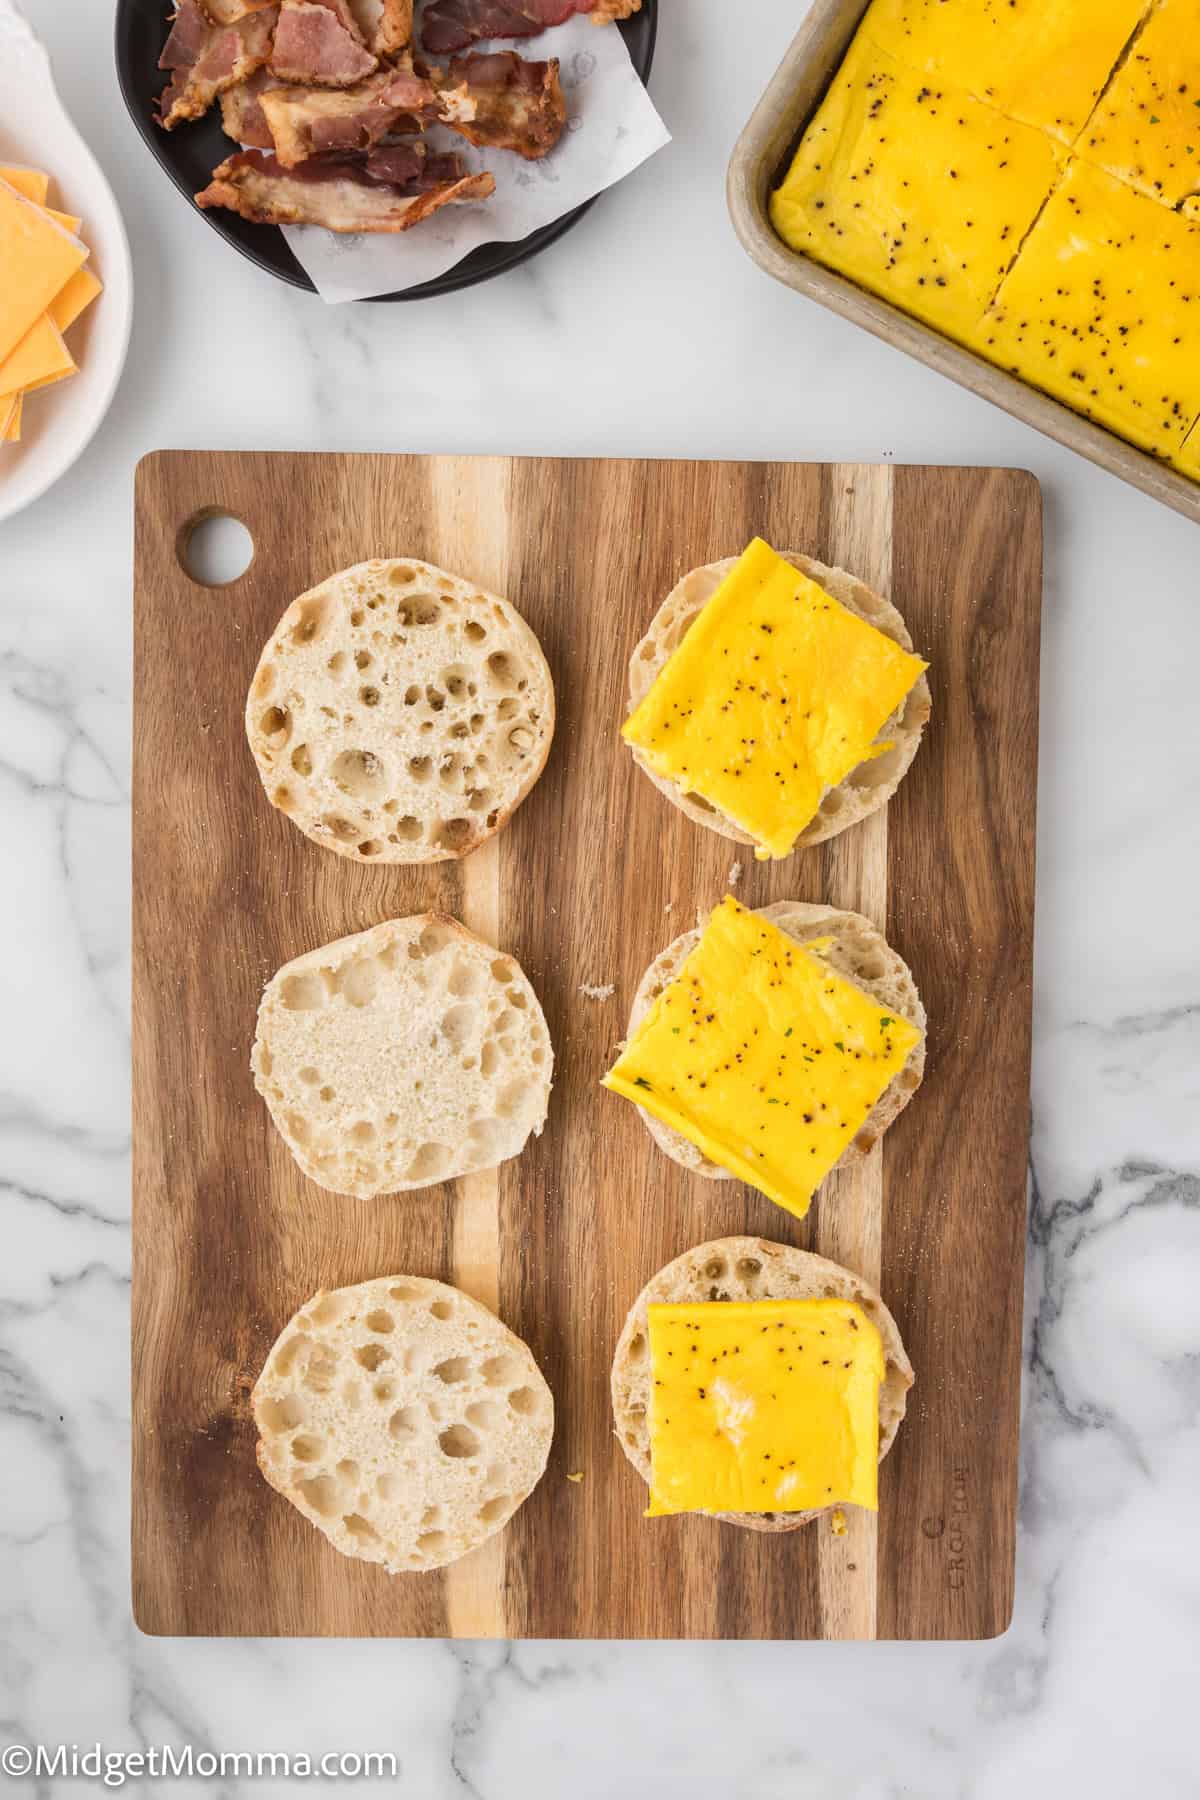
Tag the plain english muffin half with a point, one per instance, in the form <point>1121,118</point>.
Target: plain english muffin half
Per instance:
<point>861,954</point>
<point>868,787</point>
<point>403,1420</point>
<point>403,1056</point>
<point>747,1268</point>
<point>400,714</point>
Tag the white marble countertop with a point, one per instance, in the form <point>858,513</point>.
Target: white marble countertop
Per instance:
<point>645,331</point>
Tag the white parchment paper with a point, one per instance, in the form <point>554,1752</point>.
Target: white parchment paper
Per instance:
<point>611,128</point>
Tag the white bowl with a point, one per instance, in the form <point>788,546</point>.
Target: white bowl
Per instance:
<point>59,421</point>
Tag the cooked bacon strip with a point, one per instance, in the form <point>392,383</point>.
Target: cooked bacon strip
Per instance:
<point>403,127</point>
<point>500,101</point>
<point>511,103</point>
<point>340,196</point>
<point>386,25</point>
<point>318,41</point>
<point>188,37</point>
<point>205,58</point>
<point>228,12</point>
<point>398,165</point>
<point>242,116</point>
<point>413,167</point>
<point>306,122</point>
<point>343,12</point>
<point>448,25</point>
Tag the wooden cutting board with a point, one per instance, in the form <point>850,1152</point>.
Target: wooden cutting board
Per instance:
<point>595,873</point>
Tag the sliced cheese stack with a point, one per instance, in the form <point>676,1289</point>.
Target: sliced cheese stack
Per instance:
<point>46,287</point>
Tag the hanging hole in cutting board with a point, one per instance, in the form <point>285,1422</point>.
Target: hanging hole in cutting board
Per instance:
<point>214,548</point>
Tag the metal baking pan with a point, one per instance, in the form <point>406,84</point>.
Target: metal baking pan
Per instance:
<point>761,157</point>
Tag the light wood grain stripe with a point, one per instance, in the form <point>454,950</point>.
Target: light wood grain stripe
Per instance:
<point>849,1225</point>
<point>477,1208</point>
<point>471,505</point>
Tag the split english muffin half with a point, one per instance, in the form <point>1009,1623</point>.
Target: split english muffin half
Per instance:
<point>402,1056</point>
<point>400,714</point>
<point>403,1420</point>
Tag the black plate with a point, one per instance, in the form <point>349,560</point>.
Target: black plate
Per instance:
<point>190,153</point>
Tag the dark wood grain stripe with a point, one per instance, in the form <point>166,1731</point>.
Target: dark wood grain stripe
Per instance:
<point>967,572</point>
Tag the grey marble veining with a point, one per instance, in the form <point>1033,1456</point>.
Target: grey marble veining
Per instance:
<point>645,331</point>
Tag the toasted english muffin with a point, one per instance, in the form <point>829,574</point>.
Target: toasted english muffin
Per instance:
<point>747,1268</point>
<point>400,714</point>
<point>403,1056</point>
<point>403,1420</point>
<point>862,955</point>
<point>869,786</point>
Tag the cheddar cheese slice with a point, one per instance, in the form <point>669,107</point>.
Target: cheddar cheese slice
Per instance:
<point>32,183</point>
<point>920,194</point>
<point>763,1056</point>
<point>763,1406</point>
<point>775,693</point>
<point>1102,309</point>
<point>10,422</point>
<point>38,257</point>
<point>40,358</point>
<point>74,298</point>
<point>1146,128</point>
<point>1043,62</point>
